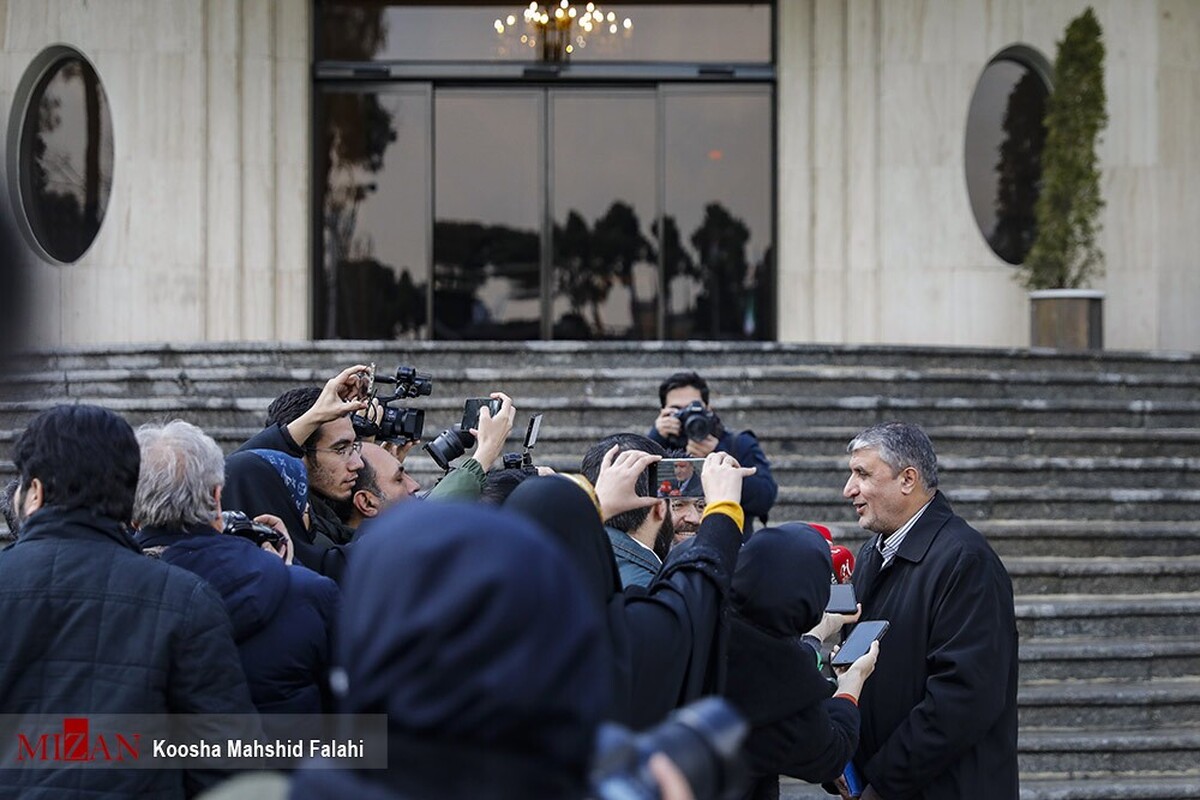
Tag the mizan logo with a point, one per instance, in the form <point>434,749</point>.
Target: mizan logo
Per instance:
<point>74,743</point>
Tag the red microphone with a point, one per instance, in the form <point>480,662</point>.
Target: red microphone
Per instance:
<point>821,529</point>
<point>843,563</point>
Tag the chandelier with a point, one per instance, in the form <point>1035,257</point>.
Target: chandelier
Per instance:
<point>559,30</point>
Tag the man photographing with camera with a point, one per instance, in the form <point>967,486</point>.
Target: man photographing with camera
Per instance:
<point>686,422</point>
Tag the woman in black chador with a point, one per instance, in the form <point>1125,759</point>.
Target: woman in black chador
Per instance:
<point>799,727</point>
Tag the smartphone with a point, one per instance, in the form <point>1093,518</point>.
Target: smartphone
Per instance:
<point>842,599</point>
<point>859,641</point>
<point>471,410</point>
<point>677,477</point>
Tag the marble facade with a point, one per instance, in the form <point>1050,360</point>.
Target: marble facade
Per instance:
<point>208,233</point>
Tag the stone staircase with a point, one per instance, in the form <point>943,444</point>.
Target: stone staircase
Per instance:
<point>1082,470</point>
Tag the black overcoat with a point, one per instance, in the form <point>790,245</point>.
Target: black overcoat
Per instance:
<point>939,715</point>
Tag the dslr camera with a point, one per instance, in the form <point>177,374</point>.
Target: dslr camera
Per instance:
<point>237,523</point>
<point>454,441</point>
<point>704,739</point>
<point>696,421</point>
<point>393,423</point>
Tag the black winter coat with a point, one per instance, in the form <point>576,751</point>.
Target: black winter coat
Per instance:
<point>93,626</point>
<point>282,616</point>
<point>939,715</point>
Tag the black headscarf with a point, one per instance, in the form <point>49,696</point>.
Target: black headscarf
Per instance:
<point>782,579</point>
<point>472,633</point>
<point>662,641</point>
<point>780,590</point>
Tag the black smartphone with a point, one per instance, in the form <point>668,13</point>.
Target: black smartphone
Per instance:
<point>676,477</point>
<point>859,641</point>
<point>471,410</point>
<point>842,599</point>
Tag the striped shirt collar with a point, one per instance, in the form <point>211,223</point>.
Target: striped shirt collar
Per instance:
<point>889,547</point>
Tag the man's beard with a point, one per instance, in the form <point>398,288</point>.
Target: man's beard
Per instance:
<point>666,534</point>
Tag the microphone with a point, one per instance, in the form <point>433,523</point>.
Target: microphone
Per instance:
<point>843,563</point>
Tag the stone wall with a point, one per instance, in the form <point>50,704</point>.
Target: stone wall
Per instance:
<point>206,236</point>
<point>877,238</point>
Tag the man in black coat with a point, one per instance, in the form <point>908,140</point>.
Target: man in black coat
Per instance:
<point>939,719</point>
<point>93,626</point>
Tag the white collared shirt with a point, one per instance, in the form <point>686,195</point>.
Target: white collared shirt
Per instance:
<point>648,549</point>
<point>887,548</point>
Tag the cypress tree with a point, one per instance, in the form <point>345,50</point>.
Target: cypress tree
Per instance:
<point>1065,254</point>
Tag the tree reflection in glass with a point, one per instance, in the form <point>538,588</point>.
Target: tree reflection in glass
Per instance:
<point>67,159</point>
<point>1005,136</point>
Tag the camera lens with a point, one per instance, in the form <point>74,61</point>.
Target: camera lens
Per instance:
<point>703,739</point>
<point>449,445</point>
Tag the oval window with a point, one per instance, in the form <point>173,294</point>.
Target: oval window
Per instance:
<point>63,154</point>
<point>1005,136</point>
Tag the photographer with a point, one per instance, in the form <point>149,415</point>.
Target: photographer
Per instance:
<point>684,399</point>
<point>314,425</point>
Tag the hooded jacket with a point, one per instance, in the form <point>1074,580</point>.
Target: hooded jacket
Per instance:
<point>282,616</point>
<point>780,590</point>
<point>473,634</point>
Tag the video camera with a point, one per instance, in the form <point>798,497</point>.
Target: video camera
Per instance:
<point>704,739</point>
<point>385,421</point>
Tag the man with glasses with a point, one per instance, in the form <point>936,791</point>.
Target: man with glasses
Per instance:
<point>314,425</point>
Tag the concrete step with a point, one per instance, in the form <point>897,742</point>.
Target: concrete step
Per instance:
<point>1066,539</point>
<point>616,413</point>
<point>1123,616</point>
<point>1110,703</point>
<point>1135,786</point>
<point>1103,575</point>
<point>1082,658</point>
<point>985,471</point>
<point>1083,538</point>
<point>952,442</point>
<point>1071,753</point>
<point>331,355</point>
<point>1142,786</point>
<point>1012,503</point>
<point>476,379</point>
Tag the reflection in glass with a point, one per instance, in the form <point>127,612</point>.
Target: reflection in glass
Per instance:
<point>717,229</point>
<point>487,214</point>
<point>66,159</point>
<point>605,275</point>
<point>1005,137</point>
<point>375,222</point>
<point>720,32</point>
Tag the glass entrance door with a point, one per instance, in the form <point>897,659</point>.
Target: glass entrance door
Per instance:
<point>537,212</point>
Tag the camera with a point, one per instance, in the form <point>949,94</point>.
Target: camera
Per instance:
<point>704,739</point>
<point>696,421</point>
<point>237,523</point>
<point>393,423</point>
<point>449,445</point>
<point>524,459</point>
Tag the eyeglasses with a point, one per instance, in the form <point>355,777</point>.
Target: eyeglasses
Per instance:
<point>345,451</point>
<point>680,505</point>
